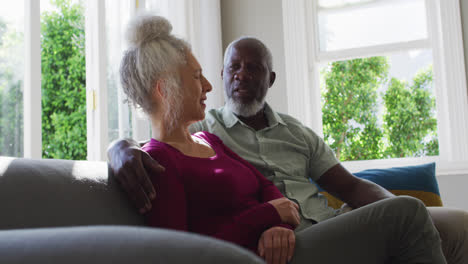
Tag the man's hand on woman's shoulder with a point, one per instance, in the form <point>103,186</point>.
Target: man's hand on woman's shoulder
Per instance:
<point>131,167</point>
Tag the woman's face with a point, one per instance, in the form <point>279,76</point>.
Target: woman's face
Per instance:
<point>195,87</point>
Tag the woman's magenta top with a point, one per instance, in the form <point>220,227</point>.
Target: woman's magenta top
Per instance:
<point>222,196</point>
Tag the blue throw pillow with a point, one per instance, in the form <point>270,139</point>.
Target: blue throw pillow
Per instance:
<point>418,181</point>
<point>415,178</point>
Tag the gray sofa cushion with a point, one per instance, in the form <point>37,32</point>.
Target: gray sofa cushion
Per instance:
<point>116,245</point>
<point>50,193</point>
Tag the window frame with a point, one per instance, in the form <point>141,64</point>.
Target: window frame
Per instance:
<point>32,109</point>
<point>445,39</point>
<point>96,82</point>
<point>96,85</point>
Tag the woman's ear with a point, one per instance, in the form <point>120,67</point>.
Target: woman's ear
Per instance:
<point>158,91</point>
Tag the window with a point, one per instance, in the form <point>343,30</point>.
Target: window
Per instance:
<point>356,24</point>
<point>46,116</point>
<point>376,74</point>
<point>67,118</point>
<point>49,121</point>
<point>11,79</point>
<point>73,106</point>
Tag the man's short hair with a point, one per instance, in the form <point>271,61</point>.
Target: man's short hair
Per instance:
<point>265,49</point>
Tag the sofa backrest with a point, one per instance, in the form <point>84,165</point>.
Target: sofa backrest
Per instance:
<point>49,193</point>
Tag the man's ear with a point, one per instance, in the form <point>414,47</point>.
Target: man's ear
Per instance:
<point>272,78</point>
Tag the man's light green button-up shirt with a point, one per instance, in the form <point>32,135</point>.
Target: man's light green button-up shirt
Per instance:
<point>286,152</point>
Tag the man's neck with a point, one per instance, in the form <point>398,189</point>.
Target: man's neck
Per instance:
<point>257,121</point>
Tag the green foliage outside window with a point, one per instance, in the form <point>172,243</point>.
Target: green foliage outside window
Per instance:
<point>63,82</point>
<point>350,98</point>
<point>409,122</point>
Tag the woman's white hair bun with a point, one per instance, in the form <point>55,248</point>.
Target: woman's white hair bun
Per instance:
<point>145,27</point>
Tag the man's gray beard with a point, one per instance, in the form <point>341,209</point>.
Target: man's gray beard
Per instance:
<point>244,110</point>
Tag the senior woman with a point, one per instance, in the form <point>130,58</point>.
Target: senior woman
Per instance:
<point>206,188</point>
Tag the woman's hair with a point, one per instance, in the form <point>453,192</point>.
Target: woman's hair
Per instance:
<point>153,54</point>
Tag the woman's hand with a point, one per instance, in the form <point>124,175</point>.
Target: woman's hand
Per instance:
<point>130,165</point>
<point>287,210</point>
<point>276,245</point>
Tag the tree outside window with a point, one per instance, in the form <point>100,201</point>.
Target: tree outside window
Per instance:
<point>353,94</point>
<point>63,81</point>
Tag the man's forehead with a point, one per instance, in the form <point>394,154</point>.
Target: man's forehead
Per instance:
<point>246,51</point>
<point>248,45</point>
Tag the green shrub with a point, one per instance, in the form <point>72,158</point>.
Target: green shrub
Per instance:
<point>350,105</point>
<point>63,82</point>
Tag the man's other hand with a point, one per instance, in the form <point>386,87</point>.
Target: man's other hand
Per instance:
<point>276,245</point>
<point>131,167</point>
<point>288,210</point>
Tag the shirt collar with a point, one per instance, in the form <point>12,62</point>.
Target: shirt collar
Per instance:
<point>230,119</point>
<point>273,117</point>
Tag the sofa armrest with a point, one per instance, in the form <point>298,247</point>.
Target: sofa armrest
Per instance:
<point>51,193</point>
<point>116,245</point>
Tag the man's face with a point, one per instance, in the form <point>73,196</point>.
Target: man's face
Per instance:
<point>246,75</point>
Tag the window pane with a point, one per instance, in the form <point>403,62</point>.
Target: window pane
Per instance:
<point>63,80</point>
<point>119,117</point>
<point>375,23</point>
<point>11,77</point>
<point>380,107</point>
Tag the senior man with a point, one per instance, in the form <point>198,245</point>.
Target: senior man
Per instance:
<point>287,153</point>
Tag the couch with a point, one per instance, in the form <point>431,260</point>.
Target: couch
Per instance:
<point>62,211</point>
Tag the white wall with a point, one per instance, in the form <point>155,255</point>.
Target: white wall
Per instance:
<point>453,187</point>
<point>453,190</point>
<point>263,19</point>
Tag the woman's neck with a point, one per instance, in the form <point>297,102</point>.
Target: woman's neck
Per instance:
<point>180,138</point>
<point>178,134</point>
